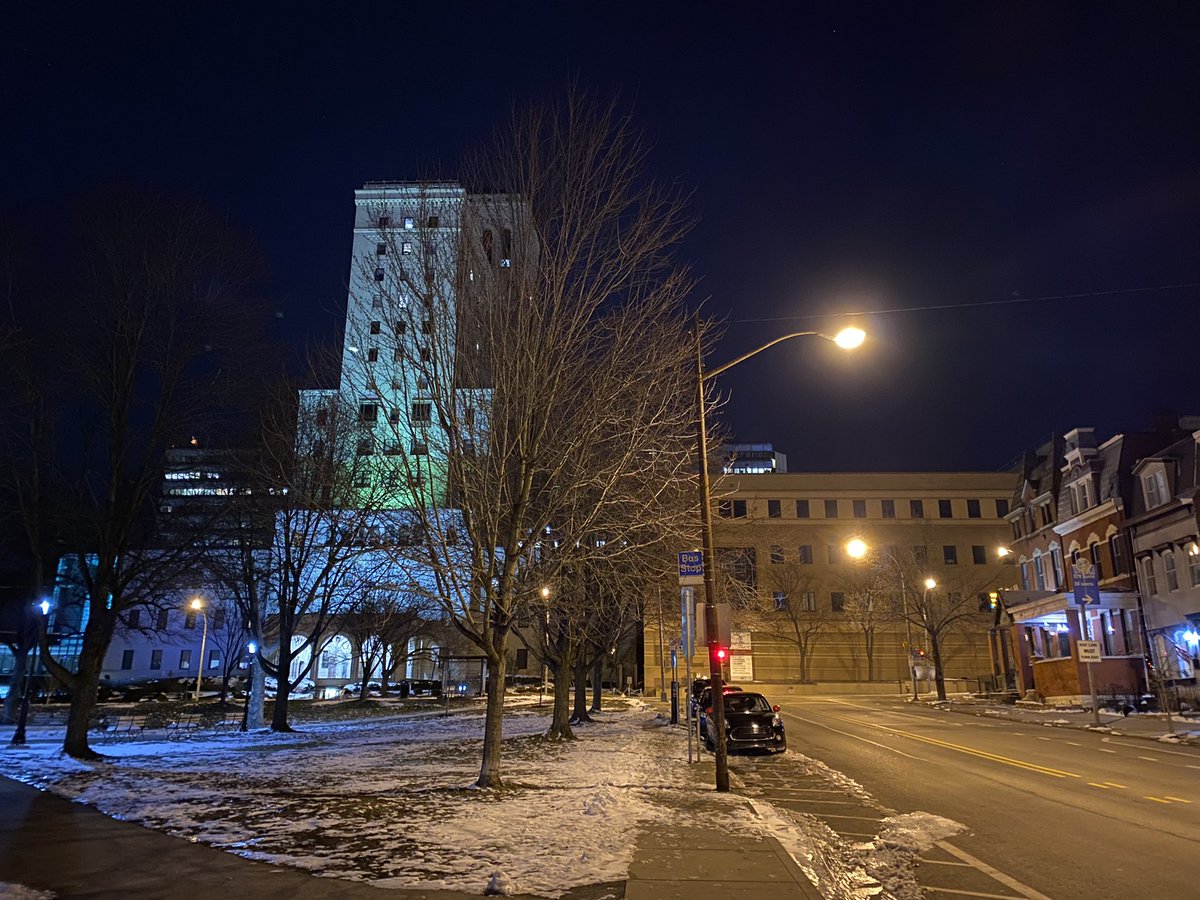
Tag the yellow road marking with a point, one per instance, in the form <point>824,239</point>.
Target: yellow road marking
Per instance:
<point>1157,799</point>
<point>1114,784</point>
<point>982,754</point>
<point>1176,799</point>
<point>1094,784</point>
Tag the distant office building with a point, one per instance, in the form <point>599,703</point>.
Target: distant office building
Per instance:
<point>753,459</point>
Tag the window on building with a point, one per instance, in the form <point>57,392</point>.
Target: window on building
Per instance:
<point>1001,509</point>
<point>973,510</point>
<point>426,355</point>
<point>837,601</point>
<point>1039,572</point>
<point>218,620</point>
<point>133,618</point>
<point>366,447</point>
<point>410,222</point>
<point>1097,559</point>
<point>214,659</point>
<point>860,509</point>
<point>385,221</point>
<point>185,659</point>
<point>781,601</point>
<point>422,412</point>
<point>419,448</point>
<point>522,658</point>
<point>833,554</point>
<point>381,249</point>
<point>1117,555</point>
<point>806,554</point>
<point>808,601</point>
<point>426,326</point>
<point>1193,560</point>
<point>376,327</point>
<point>155,659</point>
<point>1056,565</point>
<point>377,301</point>
<point>367,412</point>
<point>1155,486</point>
<point>379,273</point>
<point>889,508</point>
<point>189,620</point>
<point>801,509</point>
<point>732,509</point>
<point>161,624</point>
<point>916,509</point>
<point>1148,577</point>
<point>432,222</point>
<point>777,557</point>
<point>985,602</point>
<point>486,242</point>
<point>372,354</point>
<point>406,247</point>
<point>1024,576</point>
<point>1045,514</point>
<point>950,554</point>
<point>774,509</point>
<point>1168,558</point>
<point>1081,495</point>
<point>401,327</point>
<point>945,509</point>
<point>978,554</point>
<point>831,510</point>
<point>127,660</point>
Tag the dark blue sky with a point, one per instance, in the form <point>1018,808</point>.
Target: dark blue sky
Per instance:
<point>840,157</point>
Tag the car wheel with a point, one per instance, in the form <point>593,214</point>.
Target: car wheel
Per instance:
<point>782,746</point>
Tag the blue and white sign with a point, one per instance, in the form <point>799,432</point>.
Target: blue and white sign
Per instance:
<point>691,567</point>
<point>1085,582</point>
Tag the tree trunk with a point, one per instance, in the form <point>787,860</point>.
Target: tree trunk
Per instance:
<point>84,687</point>
<point>16,684</point>
<point>939,677</point>
<point>597,683</point>
<point>560,719</point>
<point>870,642</point>
<point>224,685</point>
<point>493,724</point>
<point>580,713</point>
<point>384,674</point>
<point>283,686</point>
<point>254,714</point>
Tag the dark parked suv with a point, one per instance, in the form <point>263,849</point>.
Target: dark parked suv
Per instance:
<point>751,722</point>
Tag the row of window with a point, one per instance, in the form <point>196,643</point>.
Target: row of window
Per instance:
<point>806,601</point>
<point>185,660</point>
<point>409,222</point>
<point>1172,569</point>
<point>835,555</point>
<point>737,509</point>
<point>1045,571</point>
<point>133,619</point>
<point>421,413</point>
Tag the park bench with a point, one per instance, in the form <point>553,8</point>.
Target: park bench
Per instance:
<point>121,728</point>
<point>182,726</point>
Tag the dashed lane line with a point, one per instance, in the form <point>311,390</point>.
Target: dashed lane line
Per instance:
<point>1140,747</point>
<point>1157,799</point>
<point>940,890</point>
<point>1101,786</point>
<point>1176,799</point>
<point>1116,784</point>
<point>1149,758</point>
<point>944,862</point>
<point>856,737</point>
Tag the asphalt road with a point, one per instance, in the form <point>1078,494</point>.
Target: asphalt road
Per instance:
<point>1065,812</point>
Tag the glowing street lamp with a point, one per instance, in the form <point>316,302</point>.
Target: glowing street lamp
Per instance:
<point>930,584</point>
<point>251,648</point>
<point>198,605</point>
<point>847,339</point>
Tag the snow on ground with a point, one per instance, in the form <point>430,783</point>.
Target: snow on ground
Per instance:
<point>393,802</point>
<point>10,891</point>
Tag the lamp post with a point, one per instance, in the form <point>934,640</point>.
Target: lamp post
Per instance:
<point>545,592</point>
<point>18,738</point>
<point>858,549</point>
<point>251,648</point>
<point>847,339</point>
<point>198,606</point>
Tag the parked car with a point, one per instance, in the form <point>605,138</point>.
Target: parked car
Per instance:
<point>303,691</point>
<point>705,701</point>
<point>354,689</point>
<point>751,722</point>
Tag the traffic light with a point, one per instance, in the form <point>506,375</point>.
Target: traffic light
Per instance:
<point>993,599</point>
<point>720,654</point>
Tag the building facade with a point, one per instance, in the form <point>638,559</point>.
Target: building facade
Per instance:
<point>781,543</point>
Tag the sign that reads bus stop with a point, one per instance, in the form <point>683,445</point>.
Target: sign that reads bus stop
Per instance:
<point>691,568</point>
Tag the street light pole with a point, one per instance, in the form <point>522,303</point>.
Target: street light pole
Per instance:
<point>199,607</point>
<point>251,648</point>
<point>31,659</point>
<point>847,339</point>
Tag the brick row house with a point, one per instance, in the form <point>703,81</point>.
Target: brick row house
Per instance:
<point>1083,503</point>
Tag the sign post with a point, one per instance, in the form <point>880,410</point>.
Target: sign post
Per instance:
<point>1088,652</point>
<point>691,574</point>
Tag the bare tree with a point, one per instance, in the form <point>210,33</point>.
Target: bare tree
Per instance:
<point>543,364</point>
<point>869,602</point>
<point>162,313</point>
<point>792,613</point>
<point>227,634</point>
<point>380,622</point>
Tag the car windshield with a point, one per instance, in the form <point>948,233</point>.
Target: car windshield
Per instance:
<point>746,703</point>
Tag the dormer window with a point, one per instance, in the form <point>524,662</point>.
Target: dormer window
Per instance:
<point>1082,496</point>
<point>1154,485</point>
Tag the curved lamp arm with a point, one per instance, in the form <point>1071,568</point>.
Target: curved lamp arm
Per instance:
<point>712,373</point>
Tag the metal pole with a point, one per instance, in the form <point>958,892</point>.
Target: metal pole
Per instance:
<point>687,645</point>
<point>18,738</point>
<point>200,667</point>
<point>1092,689</point>
<point>662,663</point>
<point>249,689</point>
<point>710,603</point>
<point>912,669</point>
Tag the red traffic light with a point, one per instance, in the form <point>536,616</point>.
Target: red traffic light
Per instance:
<point>720,653</point>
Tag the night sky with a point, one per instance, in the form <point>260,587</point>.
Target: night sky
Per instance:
<point>840,158</point>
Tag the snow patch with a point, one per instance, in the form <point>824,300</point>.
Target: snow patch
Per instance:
<point>10,891</point>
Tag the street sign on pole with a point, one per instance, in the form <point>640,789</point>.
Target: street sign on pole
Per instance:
<point>1089,651</point>
<point>1084,582</point>
<point>691,568</point>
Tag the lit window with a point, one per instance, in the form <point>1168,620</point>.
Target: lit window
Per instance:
<point>408,222</point>
<point>185,659</point>
<point>781,601</point>
<point>808,601</point>
<point>406,247</point>
<point>214,659</point>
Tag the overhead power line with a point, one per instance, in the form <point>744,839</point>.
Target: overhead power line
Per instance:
<point>1007,301</point>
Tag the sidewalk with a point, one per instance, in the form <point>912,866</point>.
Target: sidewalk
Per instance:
<point>1149,726</point>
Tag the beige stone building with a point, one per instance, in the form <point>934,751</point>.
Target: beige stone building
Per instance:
<point>781,544</point>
